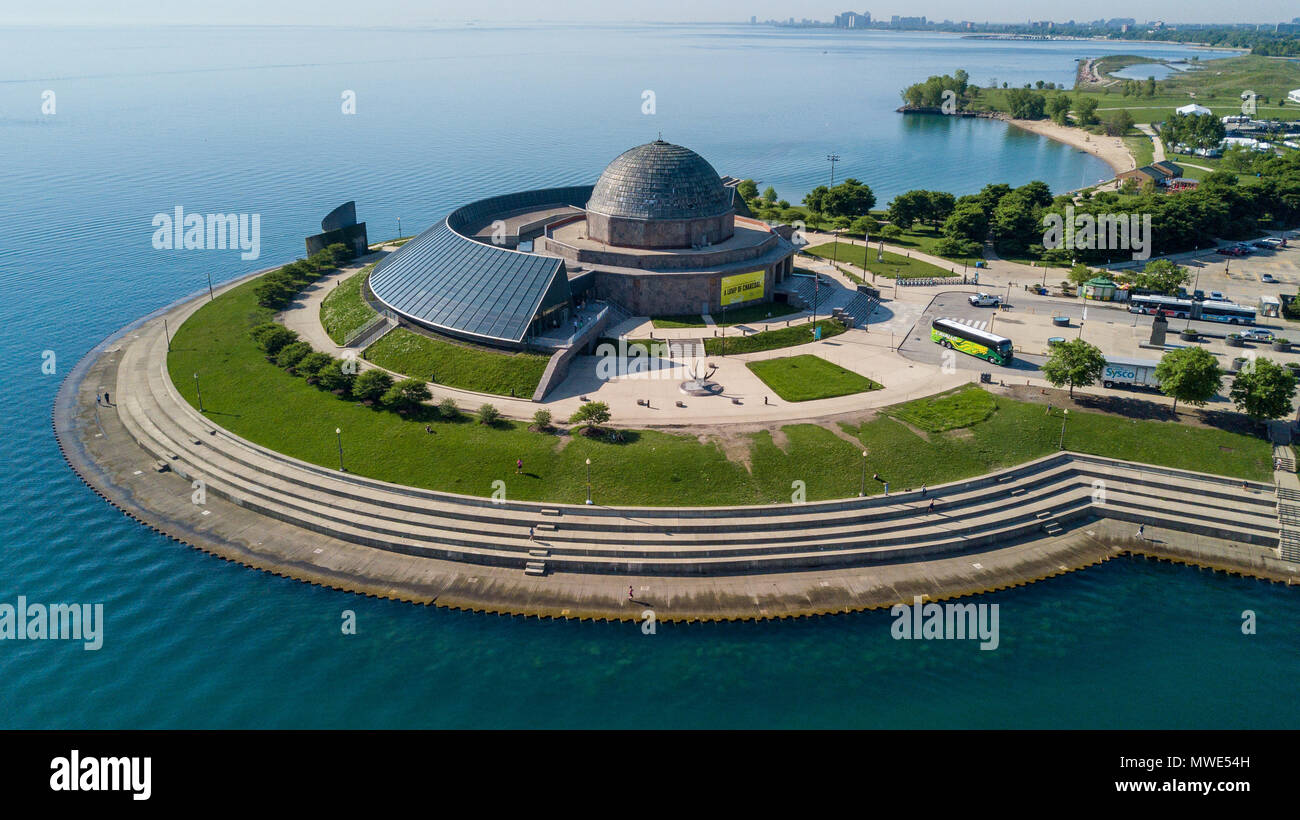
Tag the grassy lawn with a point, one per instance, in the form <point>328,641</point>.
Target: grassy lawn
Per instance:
<point>1142,148</point>
<point>257,400</point>
<point>949,411</point>
<point>733,316</point>
<point>892,266</point>
<point>458,365</point>
<point>771,339</point>
<point>923,238</point>
<point>808,377</point>
<point>343,310</point>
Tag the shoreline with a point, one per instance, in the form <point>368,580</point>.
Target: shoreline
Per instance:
<point>1110,150</point>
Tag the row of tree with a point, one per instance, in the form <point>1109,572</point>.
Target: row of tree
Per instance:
<point>1192,130</point>
<point>279,287</point>
<point>1262,389</point>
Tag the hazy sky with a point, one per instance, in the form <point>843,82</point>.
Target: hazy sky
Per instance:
<point>386,12</point>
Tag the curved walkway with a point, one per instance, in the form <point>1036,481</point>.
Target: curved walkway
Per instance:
<point>265,510</point>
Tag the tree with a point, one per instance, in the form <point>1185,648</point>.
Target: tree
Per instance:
<point>769,195</point>
<point>815,199</point>
<point>907,208</point>
<point>1079,274</point>
<point>848,199</point>
<point>448,410</point>
<point>1191,375</point>
<point>968,222</point>
<point>591,414</point>
<point>747,189</point>
<point>1075,363</point>
<point>1085,111</point>
<point>1024,104</point>
<point>332,377</point>
<point>291,354</point>
<point>1117,123</point>
<point>271,337</point>
<point>939,205</point>
<point>488,414</point>
<point>1162,276</point>
<point>371,385</point>
<point>1058,108</point>
<point>1264,390</point>
<point>407,394</point>
<point>309,365</point>
<point>542,420</point>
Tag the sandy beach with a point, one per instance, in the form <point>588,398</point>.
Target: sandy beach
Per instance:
<point>1110,150</point>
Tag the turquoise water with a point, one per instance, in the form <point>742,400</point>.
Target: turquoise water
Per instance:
<point>247,120</point>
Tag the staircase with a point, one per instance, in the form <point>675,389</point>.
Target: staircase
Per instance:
<point>860,308</point>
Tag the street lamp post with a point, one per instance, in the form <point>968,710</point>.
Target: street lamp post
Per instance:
<point>338,435</point>
<point>210,294</point>
<point>399,227</point>
<point>588,481</point>
<point>167,334</point>
<point>862,488</point>
<point>198,391</point>
<point>1065,415</point>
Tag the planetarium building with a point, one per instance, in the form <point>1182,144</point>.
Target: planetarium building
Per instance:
<point>658,234</point>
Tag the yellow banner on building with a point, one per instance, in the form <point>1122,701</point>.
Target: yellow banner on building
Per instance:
<point>743,287</point>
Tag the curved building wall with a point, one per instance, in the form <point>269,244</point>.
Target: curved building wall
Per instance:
<point>456,285</point>
<point>660,233</point>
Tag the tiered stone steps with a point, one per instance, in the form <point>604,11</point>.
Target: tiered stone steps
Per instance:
<point>1033,500</point>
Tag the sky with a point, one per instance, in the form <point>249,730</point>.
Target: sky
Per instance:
<point>393,12</point>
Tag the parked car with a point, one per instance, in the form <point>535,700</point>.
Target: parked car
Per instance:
<point>983,300</point>
<point>1256,334</point>
<point>1197,295</point>
<point>1267,278</point>
<point>1216,296</point>
<point>1231,250</point>
<point>1271,242</point>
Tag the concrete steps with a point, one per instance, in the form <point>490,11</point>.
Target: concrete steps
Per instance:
<point>1041,498</point>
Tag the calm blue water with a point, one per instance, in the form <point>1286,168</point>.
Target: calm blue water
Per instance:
<point>248,120</point>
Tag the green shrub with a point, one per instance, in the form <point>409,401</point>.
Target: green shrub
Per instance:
<point>309,365</point>
<point>489,415</point>
<point>448,410</point>
<point>407,394</point>
<point>371,385</point>
<point>330,376</point>
<point>271,337</point>
<point>291,354</point>
<point>542,419</point>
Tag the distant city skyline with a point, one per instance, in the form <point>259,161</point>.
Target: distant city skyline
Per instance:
<point>396,12</point>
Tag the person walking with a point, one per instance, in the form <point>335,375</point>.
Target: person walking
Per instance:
<point>519,466</point>
<point>106,401</point>
<point>100,400</point>
<point>1141,529</point>
<point>629,593</point>
<point>923,491</point>
<point>532,535</point>
<point>930,507</point>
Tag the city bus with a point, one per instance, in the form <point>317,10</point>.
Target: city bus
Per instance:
<point>1226,312</point>
<point>980,343</point>
<point>1210,310</point>
<point>1167,305</point>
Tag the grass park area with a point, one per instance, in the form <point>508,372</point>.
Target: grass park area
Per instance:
<point>344,310</point>
<point>732,316</point>
<point>923,238</point>
<point>454,364</point>
<point>891,266</point>
<point>808,377</point>
<point>771,339</point>
<point>253,398</point>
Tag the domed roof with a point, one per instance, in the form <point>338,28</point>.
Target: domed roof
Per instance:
<point>660,180</point>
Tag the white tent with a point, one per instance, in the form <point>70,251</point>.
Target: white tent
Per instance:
<point>1294,96</point>
<point>1193,108</point>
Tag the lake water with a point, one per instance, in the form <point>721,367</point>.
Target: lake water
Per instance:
<point>248,120</point>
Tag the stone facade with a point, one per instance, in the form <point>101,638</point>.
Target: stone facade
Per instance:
<point>660,233</point>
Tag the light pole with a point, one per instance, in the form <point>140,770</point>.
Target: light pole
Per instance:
<point>167,335</point>
<point>588,481</point>
<point>198,391</point>
<point>210,294</point>
<point>1065,415</point>
<point>862,488</point>
<point>338,435</point>
<point>399,227</point>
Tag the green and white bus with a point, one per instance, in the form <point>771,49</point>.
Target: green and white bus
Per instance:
<point>956,336</point>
